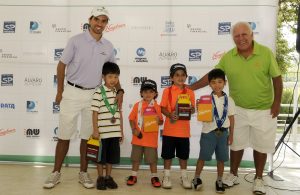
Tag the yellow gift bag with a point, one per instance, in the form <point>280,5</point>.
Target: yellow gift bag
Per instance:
<point>150,120</point>
<point>205,108</point>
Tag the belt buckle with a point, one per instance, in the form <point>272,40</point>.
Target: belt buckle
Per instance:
<point>218,132</point>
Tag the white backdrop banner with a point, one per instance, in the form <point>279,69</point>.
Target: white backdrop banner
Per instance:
<point>148,36</point>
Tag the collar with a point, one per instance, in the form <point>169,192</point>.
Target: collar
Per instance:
<point>90,38</point>
<point>109,90</point>
<point>174,87</point>
<point>255,49</point>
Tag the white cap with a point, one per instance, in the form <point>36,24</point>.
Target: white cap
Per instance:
<point>98,11</point>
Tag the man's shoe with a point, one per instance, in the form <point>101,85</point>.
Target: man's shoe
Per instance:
<point>85,180</point>
<point>110,183</point>
<point>166,183</point>
<point>230,180</point>
<point>52,180</point>
<point>131,180</point>
<point>219,187</point>
<point>101,183</point>
<point>185,182</point>
<point>197,184</point>
<point>155,182</point>
<point>259,186</point>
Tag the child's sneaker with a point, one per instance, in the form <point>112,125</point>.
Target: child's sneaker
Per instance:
<point>131,180</point>
<point>52,180</point>
<point>197,183</point>
<point>101,183</point>
<point>219,187</point>
<point>185,182</point>
<point>110,183</point>
<point>166,183</point>
<point>155,182</point>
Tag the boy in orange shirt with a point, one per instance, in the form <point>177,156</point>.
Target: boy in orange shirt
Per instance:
<point>176,132</point>
<point>145,143</point>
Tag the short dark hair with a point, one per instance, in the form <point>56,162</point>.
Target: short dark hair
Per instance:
<point>215,74</point>
<point>110,68</point>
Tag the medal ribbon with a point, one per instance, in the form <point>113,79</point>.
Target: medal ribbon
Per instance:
<point>216,114</point>
<point>111,109</point>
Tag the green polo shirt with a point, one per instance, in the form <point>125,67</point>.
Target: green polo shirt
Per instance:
<point>250,80</point>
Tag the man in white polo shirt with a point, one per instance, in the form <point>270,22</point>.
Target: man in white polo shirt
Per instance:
<point>81,64</point>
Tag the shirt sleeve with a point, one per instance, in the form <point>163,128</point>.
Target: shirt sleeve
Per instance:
<point>68,52</point>
<point>96,101</point>
<point>164,98</point>
<point>133,114</point>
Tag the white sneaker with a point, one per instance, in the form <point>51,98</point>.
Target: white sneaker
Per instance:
<point>185,182</point>
<point>85,180</point>
<point>52,180</point>
<point>166,182</point>
<point>259,186</point>
<point>230,180</point>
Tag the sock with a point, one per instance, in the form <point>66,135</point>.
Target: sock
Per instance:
<point>183,173</point>
<point>154,175</point>
<point>219,179</point>
<point>134,173</point>
<point>197,176</point>
<point>167,172</point>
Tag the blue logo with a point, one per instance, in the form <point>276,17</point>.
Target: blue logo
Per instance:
<point>32,106</point>
<point>253,25</point>
<point>33,25</point>
<point>195,54</point>
<point>7,80</point>
<point>165,81</point>
<point>58,53</point>
<point>9,27</point>
<point>192,80</point>
<point>7,106</point>
<point>55,108</point>
<point>224,28</point>
<point>140,52</point>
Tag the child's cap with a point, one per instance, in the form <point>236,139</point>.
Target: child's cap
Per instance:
<point>176,67</point>
<point>100,11</point>
<point>149,84</point>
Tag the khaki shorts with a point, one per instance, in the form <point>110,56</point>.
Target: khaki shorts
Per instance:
<point>255,129</point>
<point>150,154</point>
<point>75,104</point>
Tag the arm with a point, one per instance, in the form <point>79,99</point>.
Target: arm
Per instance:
<point>120,93</point>
<point>133,128</point>
<point>203,82</point>
<point>121,125</point>
<point>171,115</point>
<point>231,129</point>
<point>277,85</point>
<point>60,73</point>
<point>96,134</point>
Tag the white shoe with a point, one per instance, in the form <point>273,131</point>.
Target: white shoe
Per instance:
<point>85,180</point>
<point>52,180</point>
<point>259,186</point>
<point>166,182</point>
<point>230,180</point>
<point>185,182</point>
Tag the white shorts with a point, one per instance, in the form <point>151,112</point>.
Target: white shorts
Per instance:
<point>75,103</point>
<point>255,129</point>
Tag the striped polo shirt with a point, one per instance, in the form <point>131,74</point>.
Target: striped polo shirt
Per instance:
<point>107,129</point>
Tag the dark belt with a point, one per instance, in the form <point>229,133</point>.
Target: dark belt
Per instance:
<point>78,86</point>
<point>221,129</point>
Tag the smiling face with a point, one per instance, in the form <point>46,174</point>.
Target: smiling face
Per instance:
<point>98,24</point>
<point>148,95</point>
<point>217,85</point>
<point>179,78</point>
<point>243,38</point>
<point>111,80</point>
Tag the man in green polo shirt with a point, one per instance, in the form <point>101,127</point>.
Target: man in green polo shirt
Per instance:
<point>255,85</point>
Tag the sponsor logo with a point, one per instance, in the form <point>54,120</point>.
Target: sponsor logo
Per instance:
<point>55,131</point>
<point>54,80</point>
<point>7,106</point>
<point>58,53</point>
<point>195,54</point>
<point>9,27</point>
<point>224,28</point>
<point>34,27</point>
<point>33,81</point>
<point>253,26</point>
<point>85,27</point>
<point>193,29</point>
<point>165,81</point>
<point>141,28</point>
<point>4,132</point>
<point>55,108</point>
<point>218,55</point>
<point>192,80</point>
<point>7,55</point>
<point>32,106</point>
<point>7,79</point>
<point>137,81</point>
<point>167,55</point>
<point>117,51</point>
<point>169,29</point>
<point>141,52</point>
<point>114,27</point>
<point>32,133</point>
<point>60,29</point>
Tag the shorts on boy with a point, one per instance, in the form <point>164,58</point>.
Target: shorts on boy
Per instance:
<point>210,143</point>
<point>179,144</point>
<point>150,154</point>
<point>110,153</point>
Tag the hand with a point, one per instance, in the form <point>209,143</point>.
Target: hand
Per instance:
<point>119,99</point>
<point>173,116</point>
<point>96,135</point>
<point>192,110</point>
<point>230,139</point>
<point>121,138</point>
<point>275,109</point>
<point>58,98</point>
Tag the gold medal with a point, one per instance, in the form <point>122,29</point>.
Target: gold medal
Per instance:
<point>113,120</point>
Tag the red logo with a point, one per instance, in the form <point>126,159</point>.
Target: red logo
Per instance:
<point>114,27</point>
<point>218,55</point>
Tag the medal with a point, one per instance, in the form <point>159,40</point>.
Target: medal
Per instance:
<point>113,120</point>
<point>220,121</point>
<point>218,132</point>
